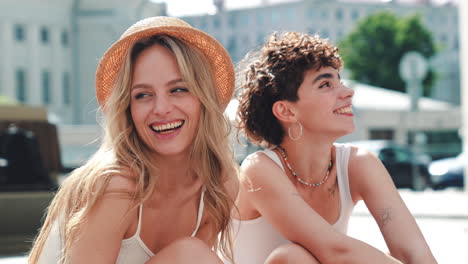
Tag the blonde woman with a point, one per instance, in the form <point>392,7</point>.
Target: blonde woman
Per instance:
<point>160,188</point>
<point>297,195</point>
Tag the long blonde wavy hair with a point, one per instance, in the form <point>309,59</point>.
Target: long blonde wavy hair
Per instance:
<point>122,151</point>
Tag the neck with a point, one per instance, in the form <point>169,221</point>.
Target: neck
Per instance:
<point>174,173</point>
<point>309,160</point>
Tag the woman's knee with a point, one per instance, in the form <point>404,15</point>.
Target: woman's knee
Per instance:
<point>186,250</point>
<point>189,243</point>
<point>290,253</point>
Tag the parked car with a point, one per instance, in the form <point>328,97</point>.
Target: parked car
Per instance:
<point>29,165</point>
<point>448,172</point>
<point>399,160</point>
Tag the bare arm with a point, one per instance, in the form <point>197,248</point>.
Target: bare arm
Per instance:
<point>275,199</point>
<point>101,234</point>
<point>374,185</point>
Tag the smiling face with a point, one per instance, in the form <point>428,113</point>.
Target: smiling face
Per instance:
<point>164,110</point>
<point>324,104</point>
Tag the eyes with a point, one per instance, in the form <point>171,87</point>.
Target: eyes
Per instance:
<point>328,84</point>
<point>176,91</point>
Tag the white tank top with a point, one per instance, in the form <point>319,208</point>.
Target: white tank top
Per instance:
<point>255,239</point>
<point>132,250</point>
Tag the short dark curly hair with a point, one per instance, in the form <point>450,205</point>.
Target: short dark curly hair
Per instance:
<point>275,73</point>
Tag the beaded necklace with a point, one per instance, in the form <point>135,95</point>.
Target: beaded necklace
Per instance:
<point>299,179</point>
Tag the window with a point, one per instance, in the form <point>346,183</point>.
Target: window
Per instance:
<point>324,14</point>
<point>20,85</point>
<point>311,13</point>
<point>339,15</point>
<point>244,19</point>
<point>232,47</point>
<point>443,38</point>
<point>64,38</point>
<point>395,154</point>
<point>381,134</point>
<point>216,21</point>
<point>260,17</point>
<point>355,15</point>
<point>438,143</point>
<point>19,33</point>
<point>66,88</point>
<point>46,87</point>
<point>232,20</point>
<point>275,17</point>
<point>44,35</point>
<point>291,14</point>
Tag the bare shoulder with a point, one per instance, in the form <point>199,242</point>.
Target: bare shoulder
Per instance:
<point>365,171</point>
<point>254,163</point>
<point>123,182</point>
<point>361,160</point>
<point>258,170</point>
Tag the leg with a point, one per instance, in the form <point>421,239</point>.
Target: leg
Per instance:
<point>291,253</point>
<point>186,250</point>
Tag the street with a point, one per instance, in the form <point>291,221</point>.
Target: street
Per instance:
<point>442,217</point>
<point>447,238</point>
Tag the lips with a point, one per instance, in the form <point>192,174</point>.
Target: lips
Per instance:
<point>167,127</point>
<point>347,110</point>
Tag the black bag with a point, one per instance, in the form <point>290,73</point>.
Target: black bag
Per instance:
<point>22,163</point>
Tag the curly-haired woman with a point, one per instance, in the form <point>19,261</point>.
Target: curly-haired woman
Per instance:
<point>161,187</point>
<point>297,195</point>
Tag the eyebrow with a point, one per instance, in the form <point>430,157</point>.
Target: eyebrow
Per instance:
<point>325,76</point>
<point>169,83</point>
<point>174,81</point>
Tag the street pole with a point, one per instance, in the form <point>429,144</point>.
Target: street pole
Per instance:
<point>413,69</point>
<point>463,21</point>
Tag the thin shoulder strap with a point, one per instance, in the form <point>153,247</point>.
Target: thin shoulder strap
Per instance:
<point>273,156</point>
<point>343,152</point>
<point>200,211</point>
<point>140,214</point>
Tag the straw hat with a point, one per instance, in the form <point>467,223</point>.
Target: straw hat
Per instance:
<point>220,60</point>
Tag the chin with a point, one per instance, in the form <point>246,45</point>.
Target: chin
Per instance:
<point>345,132</point>
<point>175,151</point>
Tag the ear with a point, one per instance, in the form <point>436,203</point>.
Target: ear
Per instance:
<point>284,111</point>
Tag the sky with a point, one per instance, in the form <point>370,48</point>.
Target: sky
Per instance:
<point>196,7</point>
<point>192,7</point>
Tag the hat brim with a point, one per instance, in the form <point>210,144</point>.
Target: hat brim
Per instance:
<point>221,64</point>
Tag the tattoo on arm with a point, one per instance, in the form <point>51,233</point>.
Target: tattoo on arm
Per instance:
<point>251,187</point>
<point>385,216</point>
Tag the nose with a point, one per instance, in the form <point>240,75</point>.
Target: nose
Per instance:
<point>162,105</point>
<point>346,92</point>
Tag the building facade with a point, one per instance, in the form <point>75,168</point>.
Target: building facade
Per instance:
<point>245,29</point>
<point>49,50</point>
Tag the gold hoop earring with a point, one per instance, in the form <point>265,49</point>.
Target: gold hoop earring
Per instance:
<point>300,132</point>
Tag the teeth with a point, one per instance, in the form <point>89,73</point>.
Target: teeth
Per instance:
<point>167,126</point>
<point>344,110</point>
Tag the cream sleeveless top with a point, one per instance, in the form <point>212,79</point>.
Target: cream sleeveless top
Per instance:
<point>133,249</point>
<point>255,239</point>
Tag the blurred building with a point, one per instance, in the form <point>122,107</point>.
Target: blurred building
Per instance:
<point>244,29</point>
<point>49,50</point>
<point>385,114</point>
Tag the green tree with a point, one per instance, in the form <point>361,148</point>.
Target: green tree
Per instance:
<point>372,52</point>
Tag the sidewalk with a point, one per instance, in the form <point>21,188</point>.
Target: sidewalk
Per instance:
<point>442,217</point>
<point>444,204</point>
